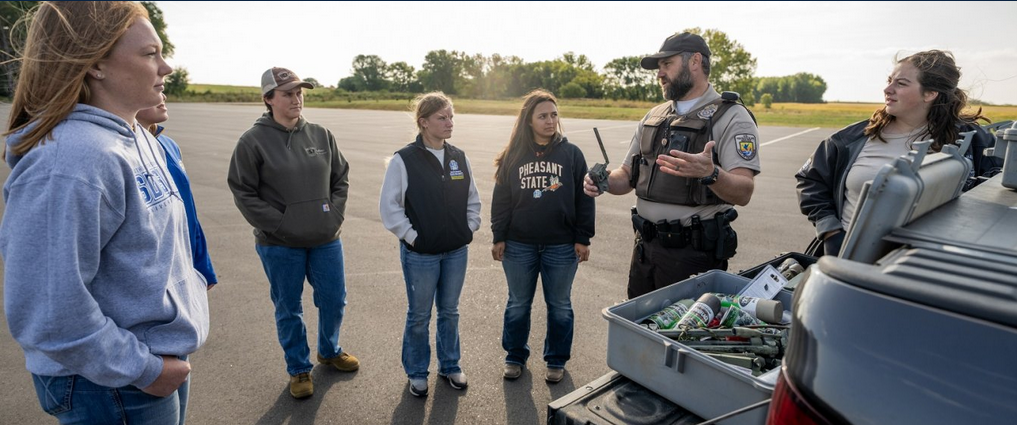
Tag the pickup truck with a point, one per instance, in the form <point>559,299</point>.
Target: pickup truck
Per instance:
<point>915,321</point>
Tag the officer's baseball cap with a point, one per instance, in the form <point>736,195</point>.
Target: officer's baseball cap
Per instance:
<point>675,44</point>
<point>281,79</point>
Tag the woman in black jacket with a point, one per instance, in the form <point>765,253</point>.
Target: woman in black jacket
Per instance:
<point>542,224</point>
<point>922,101</point>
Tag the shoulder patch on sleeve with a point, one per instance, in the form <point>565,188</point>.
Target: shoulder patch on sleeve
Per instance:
<point>746,145</point>
<point>805,167</point>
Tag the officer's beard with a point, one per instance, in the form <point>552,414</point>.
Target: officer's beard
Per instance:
<point>680,86</point>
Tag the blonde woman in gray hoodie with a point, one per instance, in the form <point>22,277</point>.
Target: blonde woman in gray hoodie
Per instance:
<point>99,288</point>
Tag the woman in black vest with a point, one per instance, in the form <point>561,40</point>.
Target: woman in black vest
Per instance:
<point>542,224</point>
<point>430,201</point>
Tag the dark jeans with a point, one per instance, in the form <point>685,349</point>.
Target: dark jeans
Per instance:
<point>654,266</point>
<point>556,265</point>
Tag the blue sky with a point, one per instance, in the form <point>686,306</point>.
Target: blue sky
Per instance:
<point>850,44</point>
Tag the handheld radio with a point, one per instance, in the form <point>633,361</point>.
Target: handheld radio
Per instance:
<point>599,171</point>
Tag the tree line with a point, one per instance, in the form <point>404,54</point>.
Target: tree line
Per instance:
<point>493,77</point>
<point>572,76</point>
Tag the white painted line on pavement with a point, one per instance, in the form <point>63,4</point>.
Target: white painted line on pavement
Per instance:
<point>788,137</point>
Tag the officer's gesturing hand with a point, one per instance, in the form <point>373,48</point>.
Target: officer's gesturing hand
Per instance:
<point>689,165</point>
<point>733,186</point>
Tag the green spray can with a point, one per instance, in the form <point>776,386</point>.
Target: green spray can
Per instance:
<point>668,317</point>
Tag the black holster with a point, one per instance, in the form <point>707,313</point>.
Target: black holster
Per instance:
<point>647,229</point>
<point>715,236</point>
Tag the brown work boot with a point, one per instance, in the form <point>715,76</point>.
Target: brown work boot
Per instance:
<point>301,385</point>
<point>554,374</point>
<point>513,371</point>
<point>345,362</point>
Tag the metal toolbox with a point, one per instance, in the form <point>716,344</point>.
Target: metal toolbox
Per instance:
<point>695,381</point>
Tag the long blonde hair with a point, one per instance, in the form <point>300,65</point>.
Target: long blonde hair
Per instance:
<point>65,39</point>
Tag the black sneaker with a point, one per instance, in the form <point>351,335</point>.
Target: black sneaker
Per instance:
<point>418,387</point>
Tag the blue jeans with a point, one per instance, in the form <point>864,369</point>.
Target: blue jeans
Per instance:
<point>76,400</point>
<point>286,269</point>
<point>556,265</point>
<point>432,279</point>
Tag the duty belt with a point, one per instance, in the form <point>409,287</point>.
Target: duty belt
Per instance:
<point>671,234</point>
<point>713,235</point>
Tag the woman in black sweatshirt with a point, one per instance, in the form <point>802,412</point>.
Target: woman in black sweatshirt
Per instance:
<point>542,224</point>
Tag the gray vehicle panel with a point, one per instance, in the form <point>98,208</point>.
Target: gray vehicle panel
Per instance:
<point>870,358</point>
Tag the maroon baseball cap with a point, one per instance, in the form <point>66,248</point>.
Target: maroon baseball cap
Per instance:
<point>281,79</point>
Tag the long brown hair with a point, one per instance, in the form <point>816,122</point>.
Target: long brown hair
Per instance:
<point>938,72</point>
<point>65,39</point>
<point>521,141</point>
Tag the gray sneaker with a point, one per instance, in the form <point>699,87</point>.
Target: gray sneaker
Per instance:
<point>418,387</point>
<point>513,371</point>
<point>456,380</point>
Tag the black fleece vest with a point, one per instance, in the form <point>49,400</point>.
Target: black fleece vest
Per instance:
<point>436,198</point>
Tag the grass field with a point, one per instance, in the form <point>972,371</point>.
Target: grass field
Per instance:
<point>780,114</point>
<point>202,88</point>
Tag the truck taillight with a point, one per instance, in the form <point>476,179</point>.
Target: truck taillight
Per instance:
<point>789,407</point>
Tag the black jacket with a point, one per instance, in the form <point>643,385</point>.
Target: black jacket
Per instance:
<point>821,181</point>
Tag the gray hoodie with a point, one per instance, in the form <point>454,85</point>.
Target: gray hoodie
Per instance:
<point>98,277</point>
<point>291,185</point>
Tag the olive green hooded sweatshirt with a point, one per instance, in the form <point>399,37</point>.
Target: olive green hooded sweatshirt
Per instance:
<point>291,185</point>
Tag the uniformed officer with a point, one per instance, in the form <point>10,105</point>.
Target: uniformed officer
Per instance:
<point>691,160</point>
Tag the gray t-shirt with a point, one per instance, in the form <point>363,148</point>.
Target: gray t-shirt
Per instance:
<point>874,155</point>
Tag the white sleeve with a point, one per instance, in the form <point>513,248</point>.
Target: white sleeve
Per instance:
<point>393,201</point>
<point>473,203</point>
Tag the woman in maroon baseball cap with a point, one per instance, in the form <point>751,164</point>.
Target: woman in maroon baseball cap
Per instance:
<point>290,181</point>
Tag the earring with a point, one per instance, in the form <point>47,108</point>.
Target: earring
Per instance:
<point>98,75</point>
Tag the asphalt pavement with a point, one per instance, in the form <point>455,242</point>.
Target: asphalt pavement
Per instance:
<point>239,376</point>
